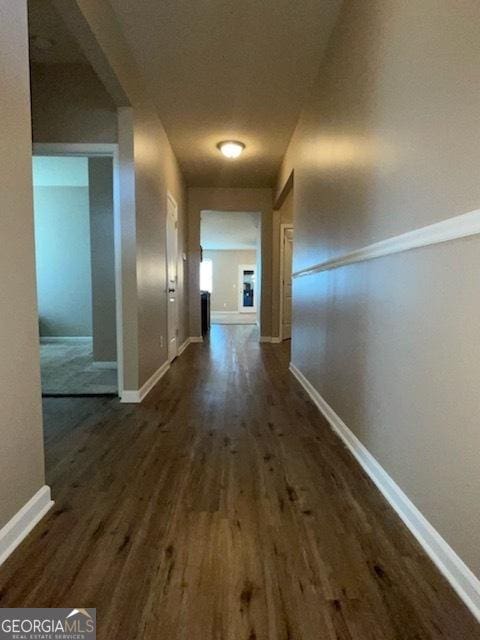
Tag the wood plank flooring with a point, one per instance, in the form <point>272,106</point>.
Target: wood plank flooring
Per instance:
<point>223,508</point>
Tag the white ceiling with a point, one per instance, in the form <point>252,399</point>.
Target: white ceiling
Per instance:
<point>229,230</point>
<point>220,69</point>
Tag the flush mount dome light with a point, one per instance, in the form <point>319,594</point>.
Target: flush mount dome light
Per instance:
<point>231,148</point>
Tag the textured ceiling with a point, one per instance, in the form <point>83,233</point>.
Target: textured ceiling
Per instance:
<point>220,69</point>
<point>229,230</point>
<point>44,22</point>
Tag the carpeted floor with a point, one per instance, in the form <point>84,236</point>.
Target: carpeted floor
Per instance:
<point>68,368</point>
<point>219,317</point>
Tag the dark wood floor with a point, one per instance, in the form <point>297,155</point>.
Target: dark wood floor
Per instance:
<point>223,508</point>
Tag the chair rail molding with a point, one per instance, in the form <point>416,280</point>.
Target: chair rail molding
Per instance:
<point>462,226</point>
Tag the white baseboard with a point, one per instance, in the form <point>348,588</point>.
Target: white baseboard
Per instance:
<point>183,346</point>
<point>136,396</point>
<point>47,339</point>
<point>242,311</point>
<point>133,397</point>
<point>461,578</point>
<point>188,341</point>
<point>104,364</point>
<point>16,529</point>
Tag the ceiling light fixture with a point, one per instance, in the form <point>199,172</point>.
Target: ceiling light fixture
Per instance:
<point>231,148</point>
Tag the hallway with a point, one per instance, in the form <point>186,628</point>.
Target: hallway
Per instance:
<point>223,507</point>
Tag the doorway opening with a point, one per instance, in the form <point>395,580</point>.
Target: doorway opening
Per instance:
<point>230,266</point>
<point>76,256</point>
<point>283,263</point>
<point>286,256</point>
<point>247,288</point>
<point>172,277</point>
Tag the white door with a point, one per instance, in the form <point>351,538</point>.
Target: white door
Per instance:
<point>287,250</point>
<point>172,249</point>
<point>247,288</point>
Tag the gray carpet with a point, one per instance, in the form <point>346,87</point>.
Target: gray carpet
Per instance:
<point>68,368</point>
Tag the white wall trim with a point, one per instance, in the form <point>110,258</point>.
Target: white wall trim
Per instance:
<point>89,149</point>
<point>188,341</point>
<point>461,578</point>
<point>48,339</point>
<point>283,227</point>
<point>462,226</point>
<point>138,395</point>
<point>130,397</point>
<point>104,364</point>
<point>74,149</point>
<point>183,346</point>
<point>172,282</point>
<point>18,527</point>
<point>226,312</point>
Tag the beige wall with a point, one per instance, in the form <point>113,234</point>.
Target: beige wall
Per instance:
<point>70,104</point>
<point>225,199</point>
<point>282,215</point>
<point>63,260</point>
<point>225,276</point>
<point>156,172</point>
<point>388,142</point>
<point>21,451</point>
<point>149,169</point>
<point>128,358</point>
<point>102,251</point>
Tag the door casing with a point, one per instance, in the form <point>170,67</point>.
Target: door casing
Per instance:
<point>92,150</point>
<point>283,228</point>
<point>171,253</point>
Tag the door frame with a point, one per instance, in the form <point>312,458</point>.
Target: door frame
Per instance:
<point>172,200</point>
<point>109,150</point>
<point>241,308</point>
<point>283,228</point>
